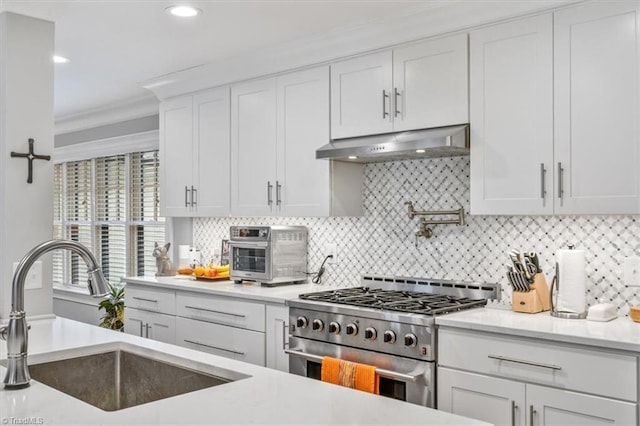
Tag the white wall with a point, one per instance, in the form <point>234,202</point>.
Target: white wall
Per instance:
<point>26,111</point>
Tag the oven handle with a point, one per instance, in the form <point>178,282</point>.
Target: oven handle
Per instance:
<point>247,244</point>
<point>383,373</point>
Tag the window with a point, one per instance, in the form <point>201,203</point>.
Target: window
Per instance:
<point>111,205</point>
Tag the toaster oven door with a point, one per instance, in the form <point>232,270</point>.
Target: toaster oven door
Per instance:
<point>250,260</point>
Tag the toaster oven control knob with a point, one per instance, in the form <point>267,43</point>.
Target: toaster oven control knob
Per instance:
<point>410,340</point>
<point>389,337</point>
<point>317,325</point>
<point>352,329</point>
<point>302,322</point>
<point>334,327</point>
<point>370,333</point>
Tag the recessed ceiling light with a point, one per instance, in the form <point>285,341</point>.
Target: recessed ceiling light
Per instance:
<point>183,11</point>
<point>60,59</point>
<point>352,157</point>
<point>420,151</point>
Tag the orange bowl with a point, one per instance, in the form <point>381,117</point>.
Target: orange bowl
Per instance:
<point>634,313</point>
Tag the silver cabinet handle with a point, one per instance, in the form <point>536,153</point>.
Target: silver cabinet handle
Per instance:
<point>186,196</point>
<point>141,325</point>
<point>269,186</point>
<point>145,300</point>
<point>384,373</point>
<point>543,174</point>
<point>278,191</point>
<point>284,335</point>
<point>214,347</point>
<point>396,95</point>
<point>514,407</point>
<point>560,181</point>
<point>147,333</point>
<point>194,199</point>
<point>520,361</point>
<point>385,96</point>
<point>532,413</point>
<point>215,312</point>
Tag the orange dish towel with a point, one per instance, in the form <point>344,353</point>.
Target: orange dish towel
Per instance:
<point>350,374</point>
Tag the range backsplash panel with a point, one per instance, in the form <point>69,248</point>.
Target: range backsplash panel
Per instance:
<point>383,241</point>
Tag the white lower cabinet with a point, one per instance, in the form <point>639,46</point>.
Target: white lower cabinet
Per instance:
<point>277,337</point>
<point>230,342</point>
<point>508,380</point>
<point>151,325</point>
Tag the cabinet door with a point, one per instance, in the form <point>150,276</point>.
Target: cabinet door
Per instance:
<point>511,101</point>
<point>253,148</point>
<point>431,84</point>
<point>361,96</point>
<point>497,401</point>
<point>277,337</point>
<point>176,158</point>
<point>161,328</point>
<point>134,322</point>
<point>303,183</point>
<point>596,108</point>
<point>547,406</point>
<point>212,136</point>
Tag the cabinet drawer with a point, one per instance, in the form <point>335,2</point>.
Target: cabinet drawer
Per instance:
<point>222,310</point>
<point>155,300</point>
<point>552,364</point>
<point>229,342</point>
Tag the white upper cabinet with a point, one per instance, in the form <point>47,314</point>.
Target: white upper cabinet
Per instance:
<point>194,155</point>
<point>596,108</point>
<point>277,125</point>
<point>418,86</point>
<point>511,111</point>
<point>430,84</point>
<point>253,148</point>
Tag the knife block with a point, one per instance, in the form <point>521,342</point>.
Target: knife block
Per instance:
<point>533,301</point>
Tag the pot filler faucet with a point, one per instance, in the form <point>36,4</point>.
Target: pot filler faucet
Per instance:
<point>16,332</point>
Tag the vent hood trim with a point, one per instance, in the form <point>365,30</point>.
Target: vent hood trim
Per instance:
<point>447,141</point>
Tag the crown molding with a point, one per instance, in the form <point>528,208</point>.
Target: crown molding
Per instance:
<point>426,20</point>
<point>129,109</point>
<point>137,142</point>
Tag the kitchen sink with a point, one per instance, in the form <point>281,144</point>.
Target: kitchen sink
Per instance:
<point>120,378</point>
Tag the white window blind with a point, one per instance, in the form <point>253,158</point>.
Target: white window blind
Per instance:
<point>111,205</point>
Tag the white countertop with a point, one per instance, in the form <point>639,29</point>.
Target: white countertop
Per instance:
<point>268,396</point>
<point>277,295</point>
<point>620,333</point>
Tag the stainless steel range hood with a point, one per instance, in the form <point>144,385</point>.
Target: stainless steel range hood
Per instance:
<point>437,142</point>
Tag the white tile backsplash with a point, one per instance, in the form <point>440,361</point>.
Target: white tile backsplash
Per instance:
<point>382,241</point>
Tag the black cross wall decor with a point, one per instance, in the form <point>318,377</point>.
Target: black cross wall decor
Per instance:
<point>31,156</point>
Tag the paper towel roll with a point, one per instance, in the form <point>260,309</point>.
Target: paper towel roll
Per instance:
<point>571,281</point>
<point>183,255</point>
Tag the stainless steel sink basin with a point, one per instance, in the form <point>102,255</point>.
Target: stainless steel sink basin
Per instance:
<point>120,379</point>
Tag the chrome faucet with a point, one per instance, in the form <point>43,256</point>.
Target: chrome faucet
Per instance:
<point>16,332</point>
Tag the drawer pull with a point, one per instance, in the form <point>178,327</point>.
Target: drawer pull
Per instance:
<point>514,407</point>
<point>520,361</point>
<point>214,347</point>
<point>215,312</point>
<point>145,300</point>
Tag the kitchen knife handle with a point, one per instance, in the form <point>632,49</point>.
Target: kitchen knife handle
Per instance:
<point>543,174</point>
<point>396,95</point>
<point>385,96</point>
<point>194,199</point>
<point>269,187</point>
<point>532,413</point>
<point>514,407</point>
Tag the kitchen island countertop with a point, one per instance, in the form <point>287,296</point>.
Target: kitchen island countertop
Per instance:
<point>267,397</point>
<point>621,333</point>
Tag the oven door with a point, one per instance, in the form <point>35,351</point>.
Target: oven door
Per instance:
<point>401,378</point>
<point>250,260</point>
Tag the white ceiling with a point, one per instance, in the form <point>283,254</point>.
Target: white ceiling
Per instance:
<point>114,45</point>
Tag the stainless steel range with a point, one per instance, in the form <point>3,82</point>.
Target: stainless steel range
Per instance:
<point>387,322</point>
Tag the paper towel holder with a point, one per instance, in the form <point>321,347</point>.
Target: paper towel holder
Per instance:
<point>554,307</point>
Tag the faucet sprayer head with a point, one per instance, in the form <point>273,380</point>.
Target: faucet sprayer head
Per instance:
<point>97,283</point>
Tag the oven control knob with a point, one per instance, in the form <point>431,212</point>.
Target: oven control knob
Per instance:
<point>317,325</point>
<point>411,340</point>
<point>370,333</point>
<point>389,337</point>
<point>334,327</point>
<point>352,329</point>
<point>302,322</point>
